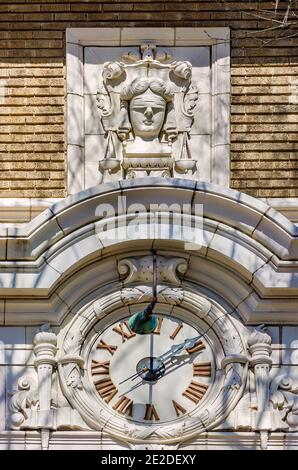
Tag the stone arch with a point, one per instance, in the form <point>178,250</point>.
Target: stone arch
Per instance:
<point>59,257</point>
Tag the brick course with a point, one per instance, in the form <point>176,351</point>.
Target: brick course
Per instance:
<point>264,108</point>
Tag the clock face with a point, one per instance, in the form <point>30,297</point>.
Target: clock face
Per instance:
<point>141,378</point>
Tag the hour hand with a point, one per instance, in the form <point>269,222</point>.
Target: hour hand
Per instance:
<point>178,348</point>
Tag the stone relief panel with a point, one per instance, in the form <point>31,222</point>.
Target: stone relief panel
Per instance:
<point>147,112</point>
<point>178,77</point>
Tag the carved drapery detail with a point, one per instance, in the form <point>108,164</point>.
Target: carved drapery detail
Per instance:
<point>146,103</point>
<point>71,360</point>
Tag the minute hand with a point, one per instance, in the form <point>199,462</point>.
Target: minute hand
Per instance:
<point>173,351</point>
<point>178,348</point>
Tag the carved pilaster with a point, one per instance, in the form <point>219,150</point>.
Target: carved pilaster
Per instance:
<point>45,348</point>
<point>259,343</point>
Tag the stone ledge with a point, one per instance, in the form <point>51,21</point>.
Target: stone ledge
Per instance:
<point>91,440</point>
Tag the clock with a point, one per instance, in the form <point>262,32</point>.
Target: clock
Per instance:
<point>153,378</point>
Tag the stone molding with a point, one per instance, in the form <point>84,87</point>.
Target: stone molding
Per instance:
<point>22,210</point>
<point>247,256</point>
<point>94,440</point>
<point>286,206</point>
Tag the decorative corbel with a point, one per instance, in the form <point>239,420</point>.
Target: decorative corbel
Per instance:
<point>259,343</point>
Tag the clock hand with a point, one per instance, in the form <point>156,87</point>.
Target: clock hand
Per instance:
<point>135,375</point>
<point>178,348</point>
<point>142,371</point>
<point>173,351</point>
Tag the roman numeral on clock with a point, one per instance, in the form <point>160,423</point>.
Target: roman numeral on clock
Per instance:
<point>176,331</point>
<point>197,347</point>
<point>108,347</point>
<point>124,406</point>
<point>100,368</point>
<point>157,329</point>
<point>151,413</point>
<point>202,369</point>
<point>106,389</point>
<point>195,391</point>
<point>121,331</point>
<point>178,408</point>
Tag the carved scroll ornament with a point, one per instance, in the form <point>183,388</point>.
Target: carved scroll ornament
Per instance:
<point>169,269</point>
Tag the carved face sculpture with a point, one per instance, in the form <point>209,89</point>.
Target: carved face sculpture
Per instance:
<point>147,114</point>
<point>146,100</point>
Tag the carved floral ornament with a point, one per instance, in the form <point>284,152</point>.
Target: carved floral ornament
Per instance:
<point>147,103</point>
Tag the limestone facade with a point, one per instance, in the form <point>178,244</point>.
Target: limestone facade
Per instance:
<point>163,121</point>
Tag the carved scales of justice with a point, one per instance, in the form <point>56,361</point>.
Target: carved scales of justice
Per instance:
<point>147,105</point>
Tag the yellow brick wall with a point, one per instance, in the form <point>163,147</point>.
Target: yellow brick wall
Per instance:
<point>264,158</point>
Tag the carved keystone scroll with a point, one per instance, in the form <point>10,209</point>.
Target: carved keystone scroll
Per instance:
<point>141,269</point>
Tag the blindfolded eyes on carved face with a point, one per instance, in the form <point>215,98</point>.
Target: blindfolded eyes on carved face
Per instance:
<point>147,113</point>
